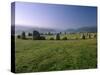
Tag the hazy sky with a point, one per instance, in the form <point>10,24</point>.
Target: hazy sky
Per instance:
<point>54,16</point>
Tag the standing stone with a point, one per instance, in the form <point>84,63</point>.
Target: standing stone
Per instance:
<point>57,36</point>
<point>36,35</point>
<point>23,35</point>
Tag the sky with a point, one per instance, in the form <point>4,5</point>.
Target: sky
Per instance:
<point>54,15</point>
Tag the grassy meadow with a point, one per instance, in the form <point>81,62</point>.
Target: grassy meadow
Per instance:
<point>52,55</point>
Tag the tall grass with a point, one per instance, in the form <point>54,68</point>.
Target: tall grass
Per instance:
<point>51,55</point>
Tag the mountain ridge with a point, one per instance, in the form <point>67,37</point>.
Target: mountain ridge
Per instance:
<point>19,29</point>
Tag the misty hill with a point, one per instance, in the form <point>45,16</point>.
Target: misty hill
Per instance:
<point>19,29</point>
<point>83,29</point>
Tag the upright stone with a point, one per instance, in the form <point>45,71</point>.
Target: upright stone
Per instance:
<point>36,35</point>
<point>23,35</point>
<point>57,36</point>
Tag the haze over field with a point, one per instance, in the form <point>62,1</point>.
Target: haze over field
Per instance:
<point>54,16</point>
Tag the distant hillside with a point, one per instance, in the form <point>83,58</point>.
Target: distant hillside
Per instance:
<point>19,29</point>
<point>83,29</point>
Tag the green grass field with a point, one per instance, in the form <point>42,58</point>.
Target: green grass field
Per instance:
<point>52,55</point>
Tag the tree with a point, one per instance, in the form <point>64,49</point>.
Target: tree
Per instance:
<point>36,35</point>
<point>51,38</point>
<point>65,33</point>
<point>42,38</point>
<point>41,33</point>
<point>49,33</point>
<point>18,36</point>
<point>95,36</point>
<point>60,33</point>
<point>89,36</point>
<point>64,38</point>
<point>23,35</point>
<point>57,36</point>
<point>29,34</point>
